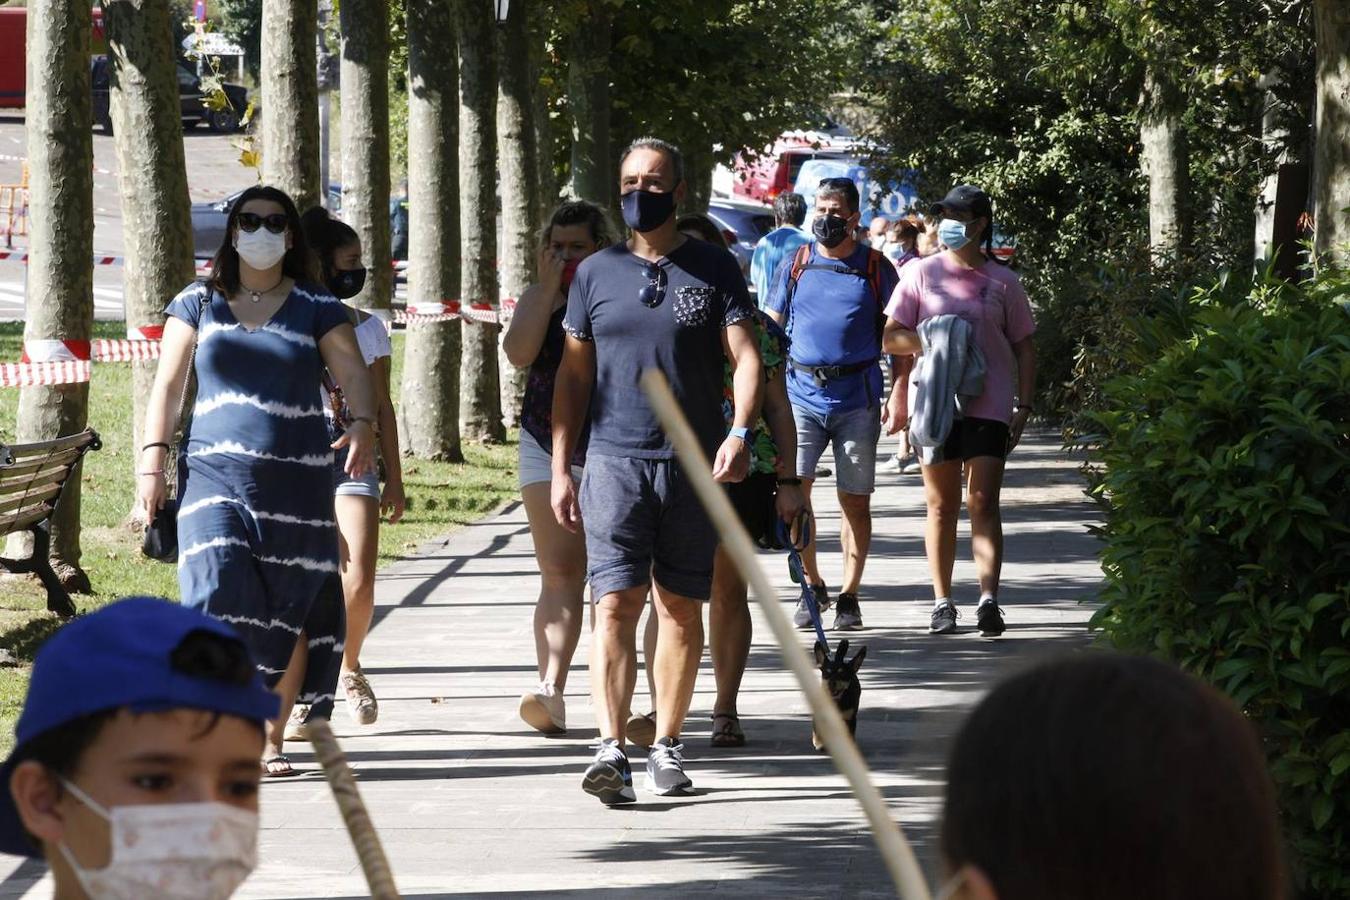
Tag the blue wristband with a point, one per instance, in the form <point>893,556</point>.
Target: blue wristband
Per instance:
<point>742,433</point>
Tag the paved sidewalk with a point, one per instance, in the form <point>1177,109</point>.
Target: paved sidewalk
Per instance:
<point>471,802</point>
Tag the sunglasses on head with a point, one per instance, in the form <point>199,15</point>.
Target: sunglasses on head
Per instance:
<point>654,291</point>
<point>275,223</point>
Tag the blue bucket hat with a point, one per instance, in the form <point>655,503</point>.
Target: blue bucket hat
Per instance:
<point>122,656</point>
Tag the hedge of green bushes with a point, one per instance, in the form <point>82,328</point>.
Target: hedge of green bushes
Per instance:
<point>1224,468</point>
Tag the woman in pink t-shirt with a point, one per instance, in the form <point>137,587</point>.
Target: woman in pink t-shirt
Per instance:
<point>966,281</point>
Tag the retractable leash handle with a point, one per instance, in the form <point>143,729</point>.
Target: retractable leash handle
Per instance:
<point>798,570</point>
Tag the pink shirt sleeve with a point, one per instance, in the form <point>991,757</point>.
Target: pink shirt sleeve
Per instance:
<point>1018,309</point>
<point>904,304</point>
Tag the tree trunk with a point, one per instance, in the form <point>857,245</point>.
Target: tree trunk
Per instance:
<point>519,184</point>
<point>1165,162</point>
<point>151,174</point>
<point>290,100</point>
<point>545,140</point>
<point>588,94</point>
<point>481,407</point>
<point>1331,156</point>
<point>698,173</point>
<point>60,288</point>
<point>429,398</point>
<point>365,140</point>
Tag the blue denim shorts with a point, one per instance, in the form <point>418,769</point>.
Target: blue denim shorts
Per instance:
<point>854,434</point>
<point>644,521</point>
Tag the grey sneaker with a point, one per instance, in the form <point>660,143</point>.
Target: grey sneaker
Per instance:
<point>989,619</point>
<point>665,769</point>
<point>802,616</point>
<point>610,777</point>
<point>847,615</point>
<point>361,703</point>
<point>944,619</point>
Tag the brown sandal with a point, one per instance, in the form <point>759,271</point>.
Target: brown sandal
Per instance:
<point>727,731</point>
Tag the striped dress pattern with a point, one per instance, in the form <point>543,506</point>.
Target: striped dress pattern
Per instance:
<point>258,541</point>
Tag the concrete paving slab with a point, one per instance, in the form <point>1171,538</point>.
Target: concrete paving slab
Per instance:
<point>470,802</point>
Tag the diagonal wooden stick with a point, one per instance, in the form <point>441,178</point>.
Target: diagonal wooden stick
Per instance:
<point>364,837</point>
<point>895,850</point>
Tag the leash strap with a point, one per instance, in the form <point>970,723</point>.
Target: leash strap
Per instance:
<point>799,572</point>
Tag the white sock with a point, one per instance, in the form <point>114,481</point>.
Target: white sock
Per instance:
<point>987,597</point>
<point>941,601</point>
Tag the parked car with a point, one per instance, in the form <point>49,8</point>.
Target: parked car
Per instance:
<point>762,178</point>
<point>192,100</point>
<point>209,217</point>
<point>742,225</point>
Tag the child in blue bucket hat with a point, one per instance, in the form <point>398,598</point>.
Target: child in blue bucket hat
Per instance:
<point>135,771</point>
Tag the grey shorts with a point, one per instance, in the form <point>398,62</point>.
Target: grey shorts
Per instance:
<point>644,521</point>
<point>854,434</point>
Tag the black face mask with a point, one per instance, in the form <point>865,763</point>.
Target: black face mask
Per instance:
<point>831,231</point>
<point>347,283</point>
<point>647,210</point>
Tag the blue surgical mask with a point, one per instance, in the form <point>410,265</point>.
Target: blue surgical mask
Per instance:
<point>953,234</point>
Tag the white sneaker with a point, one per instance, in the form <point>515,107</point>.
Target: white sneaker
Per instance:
<point>361,703</point>
<point>891,465</point>
<point>543,709</point>
<point>296,729</point>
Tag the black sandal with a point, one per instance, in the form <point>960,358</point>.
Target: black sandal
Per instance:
<point>283,767</point>
<point>729,734</point>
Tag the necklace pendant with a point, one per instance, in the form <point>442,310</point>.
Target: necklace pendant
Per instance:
<point>255,296</point>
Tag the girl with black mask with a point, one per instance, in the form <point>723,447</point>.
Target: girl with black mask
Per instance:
<point>358,502</point>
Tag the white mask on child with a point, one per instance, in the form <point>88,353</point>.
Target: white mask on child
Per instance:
<point>192,851</point>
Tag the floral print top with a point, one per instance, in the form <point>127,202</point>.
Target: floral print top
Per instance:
<point>773,351</point>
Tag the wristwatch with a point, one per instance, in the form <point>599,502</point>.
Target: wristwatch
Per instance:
<point>743,433</point>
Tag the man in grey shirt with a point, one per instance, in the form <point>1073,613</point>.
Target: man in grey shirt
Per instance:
<point>659,301</point>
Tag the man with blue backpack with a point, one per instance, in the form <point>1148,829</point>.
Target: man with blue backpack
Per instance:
<point>830,296</point>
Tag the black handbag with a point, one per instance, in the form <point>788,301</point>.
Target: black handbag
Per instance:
<point>160,541</point>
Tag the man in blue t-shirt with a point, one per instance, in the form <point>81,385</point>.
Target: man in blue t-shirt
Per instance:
<point>789,211</point>
<point>831,298</point>
<point>659,301</point>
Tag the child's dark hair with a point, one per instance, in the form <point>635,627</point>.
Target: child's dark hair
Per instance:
<point>327,235</point>
<point>1111,776</point>
<point>579,212</point>
<point>298,262</point>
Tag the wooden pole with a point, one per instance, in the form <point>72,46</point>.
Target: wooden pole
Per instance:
<point>365,838</point>
<point>895,850</point>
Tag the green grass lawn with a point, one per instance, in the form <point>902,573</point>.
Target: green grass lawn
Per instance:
<point>441,497</point>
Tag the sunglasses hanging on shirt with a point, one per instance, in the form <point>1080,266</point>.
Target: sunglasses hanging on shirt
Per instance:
<point>654,291</point>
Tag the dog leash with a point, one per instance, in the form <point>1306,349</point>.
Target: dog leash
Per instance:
<point>799,572</point>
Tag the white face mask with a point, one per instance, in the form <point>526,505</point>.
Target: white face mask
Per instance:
<point>261,249</point>
<point>192,851</point>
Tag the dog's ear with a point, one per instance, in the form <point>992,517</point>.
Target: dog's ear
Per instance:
<point>822,653</point>
<point>839,654</point>
<point>856,662</point>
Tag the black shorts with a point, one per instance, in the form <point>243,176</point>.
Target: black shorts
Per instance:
<point>753,500</point>
<point>976,437</point>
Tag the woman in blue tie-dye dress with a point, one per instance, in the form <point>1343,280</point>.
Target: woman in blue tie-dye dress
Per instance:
<point>256,534</point>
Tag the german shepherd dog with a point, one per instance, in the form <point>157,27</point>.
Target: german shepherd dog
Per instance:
<point>840,678</point>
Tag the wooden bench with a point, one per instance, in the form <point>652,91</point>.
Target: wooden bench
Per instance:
<point>31,479</point>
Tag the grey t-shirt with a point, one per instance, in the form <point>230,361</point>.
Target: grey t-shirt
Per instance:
<point>682,337</point>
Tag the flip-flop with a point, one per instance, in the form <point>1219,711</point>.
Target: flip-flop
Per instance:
<point>283,767</point>
<point>729,734</point>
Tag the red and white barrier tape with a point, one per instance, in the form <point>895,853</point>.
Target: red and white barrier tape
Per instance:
<point>44,373</point>
<point>203,263</point>
<point>483,313</point>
